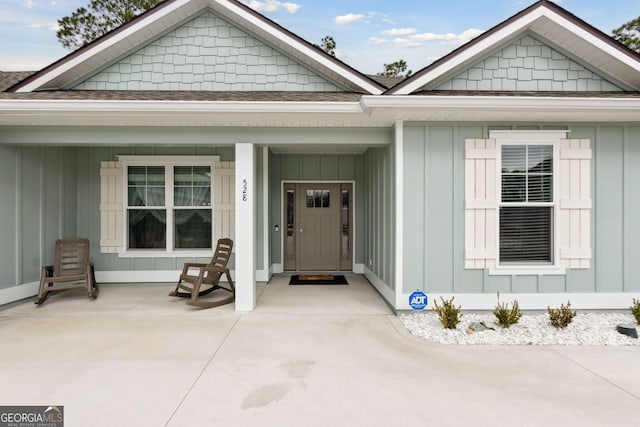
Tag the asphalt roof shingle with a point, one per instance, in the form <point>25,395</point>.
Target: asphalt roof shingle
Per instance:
<point>156,95</point>
<point>10,78</point>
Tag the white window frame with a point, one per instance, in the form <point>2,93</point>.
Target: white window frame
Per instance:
<point>552,138</point>
<point>168,162</point>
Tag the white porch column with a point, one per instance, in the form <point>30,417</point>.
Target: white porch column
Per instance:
<point>245,268</point>
<point>399,204</point>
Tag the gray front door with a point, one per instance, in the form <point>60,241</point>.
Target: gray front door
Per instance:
<point>318,227</point>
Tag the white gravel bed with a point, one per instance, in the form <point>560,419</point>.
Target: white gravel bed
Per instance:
<point>532,329</point>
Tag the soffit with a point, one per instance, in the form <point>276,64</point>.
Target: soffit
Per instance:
<point>606,61</point>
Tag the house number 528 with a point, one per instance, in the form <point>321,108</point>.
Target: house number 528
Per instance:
<point>244,190</point>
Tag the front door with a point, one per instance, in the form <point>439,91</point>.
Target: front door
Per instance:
<point>318,232</point>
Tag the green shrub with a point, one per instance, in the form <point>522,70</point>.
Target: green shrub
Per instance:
<point>448,313</point>
<point>507,317</point>
<point>635,310</point>
<point>561,317</point>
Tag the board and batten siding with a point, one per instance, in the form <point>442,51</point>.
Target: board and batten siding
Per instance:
<point>380,242</point>
<point>38,189</point>
<point>435,220</point>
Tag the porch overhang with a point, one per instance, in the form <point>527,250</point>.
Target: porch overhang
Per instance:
<point>369,111</point>
<point>503,108</point>
<point>34,112</point>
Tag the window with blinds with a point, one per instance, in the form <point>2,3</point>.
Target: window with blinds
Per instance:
<point>527,204</point>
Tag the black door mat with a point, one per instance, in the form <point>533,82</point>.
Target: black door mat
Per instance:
<point>318,279</point>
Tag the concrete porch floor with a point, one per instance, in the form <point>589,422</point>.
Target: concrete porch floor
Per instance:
<point>308,355</point>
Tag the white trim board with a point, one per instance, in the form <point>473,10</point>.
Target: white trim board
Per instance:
<point>16,293</point>
<point>382,288</point>
<point>399,205</point>
<point>540,301</point>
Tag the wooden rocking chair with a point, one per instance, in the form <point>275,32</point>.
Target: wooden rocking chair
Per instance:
<point>72,269</point>
<point>208,278</point>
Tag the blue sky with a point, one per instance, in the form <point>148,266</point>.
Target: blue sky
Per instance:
<point>368,33</point>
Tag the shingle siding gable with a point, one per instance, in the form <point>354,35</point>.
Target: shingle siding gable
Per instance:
<point>208,54</point>
<point>528,65</point>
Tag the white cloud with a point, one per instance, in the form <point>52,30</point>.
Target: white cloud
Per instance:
<point>377,40</point>
<point>402,42</point>
<point>348,18</point>
<point>29,4</point>
<point>399,31</point>
<point>53,26</point>
<point>291,7</point>
<point>272,6</point>
<point>461,38</point>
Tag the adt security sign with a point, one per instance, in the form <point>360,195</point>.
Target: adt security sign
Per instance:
<point>418,300</point>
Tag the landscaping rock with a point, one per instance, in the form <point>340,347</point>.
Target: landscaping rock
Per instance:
<point>628,330</point>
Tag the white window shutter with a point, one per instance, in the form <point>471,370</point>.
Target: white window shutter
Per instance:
<point>574,226</point>
<point>111,207</point>
<point>480,204</point>
<point>224,201</point>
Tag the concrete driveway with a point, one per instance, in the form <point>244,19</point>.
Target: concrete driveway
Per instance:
<point>308,355</point>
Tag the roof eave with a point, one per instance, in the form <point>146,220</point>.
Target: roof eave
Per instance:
<point>506,108</point>
<point>371,111</point>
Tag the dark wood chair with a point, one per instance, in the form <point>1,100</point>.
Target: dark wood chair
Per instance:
<point>71,269</point>
<point>207,279</point>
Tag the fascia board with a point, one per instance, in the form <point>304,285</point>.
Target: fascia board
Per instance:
<point>177,107</point>
<point>508,32</point>
<point>507,103</point>
<point>103,45</point>
<point>593,40</point>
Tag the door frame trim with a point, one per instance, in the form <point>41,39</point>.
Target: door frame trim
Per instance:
<point>315,181</point>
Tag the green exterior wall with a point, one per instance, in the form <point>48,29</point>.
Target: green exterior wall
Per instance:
<point>434,212</point>
<point>528,64</point>
<point>54,191</point>
<point>38,187</point>
<point>380,209</point>
<point>63,197</point>
<point>207,53</point>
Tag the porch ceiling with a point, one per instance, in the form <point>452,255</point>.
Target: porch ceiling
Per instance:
<point>319,148</point>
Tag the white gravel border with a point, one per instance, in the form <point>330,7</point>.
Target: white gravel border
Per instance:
<point>532,329</point>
